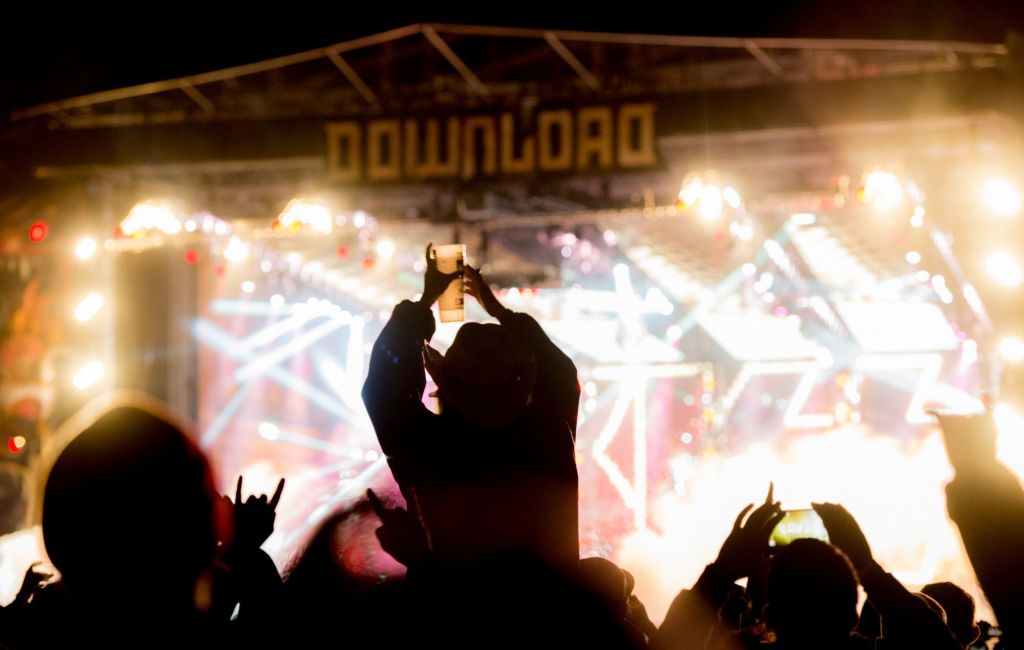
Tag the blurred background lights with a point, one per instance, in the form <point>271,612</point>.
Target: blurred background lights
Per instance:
<point>88,375</point>
<point>89,307</point>
<point>85,248</point>
<point>1003,269</point>
<point>150,215</point>
<point>882,190</point>
<point>37,232</point>
<point>1001,197</point>
<point>1012,349</point>
<point>306,212</point>
<point>704,194</point>
<point>385,248</point>
<point>269,431</point>
<point>236,250</point>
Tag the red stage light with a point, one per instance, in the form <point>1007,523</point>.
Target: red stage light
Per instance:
<point>368,263</point>
<point>191,256</point>
<point>38,231</point>
<point>342,251</point>
<point>15,444</point>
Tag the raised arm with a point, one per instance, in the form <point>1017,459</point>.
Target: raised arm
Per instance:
<point>694,612</point>
<point>394,385</point>
<point>557,386</point>
<point>906,620</point>
<point>986,501</point>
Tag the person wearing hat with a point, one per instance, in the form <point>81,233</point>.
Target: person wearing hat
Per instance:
<point>493,473</point>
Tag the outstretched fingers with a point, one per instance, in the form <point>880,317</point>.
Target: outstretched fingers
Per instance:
<point>274,500</point>
<point>376,504</point>
<point>738,524</point>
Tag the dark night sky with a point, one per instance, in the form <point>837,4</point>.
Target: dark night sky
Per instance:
<point>54,50</point>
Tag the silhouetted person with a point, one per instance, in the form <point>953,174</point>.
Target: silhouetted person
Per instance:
<point>812,597</point>
<point>986,501</point>
<point>494,473</point>
<point>959,607</point>
<point>128,520</point>
<point>614,586</point>
<point>908,620</point>
<point>693,615</point>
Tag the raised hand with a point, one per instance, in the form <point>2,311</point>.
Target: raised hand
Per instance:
<point>254,519</point>
<point>476,287</point>
<point>400,534</point>
<point>845,534</point>
<point>746,545</point>
<point>435,282</point>
<point>37,577</point>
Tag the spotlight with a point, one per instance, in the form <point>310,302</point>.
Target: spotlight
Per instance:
<point>1012,349</point>
<point>1001,197</point>
<point>89,307</point>
<point>150,215</point>
<point>707,195</point>
<point>85,248</point>
<point>306,212</point>
<point>1004,269</point>
<point>882,190</point>
<point>88,375</point>
<point>385,248</point>
<point>269,431</point>
<point>236,250</point>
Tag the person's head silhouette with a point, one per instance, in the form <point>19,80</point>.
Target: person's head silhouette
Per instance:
<point>959,607</point>
<point>486,376</point>
<point>812,594</point>
<point>132,496</point>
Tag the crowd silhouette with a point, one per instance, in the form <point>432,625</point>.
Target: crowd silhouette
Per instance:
<point>486,525</point>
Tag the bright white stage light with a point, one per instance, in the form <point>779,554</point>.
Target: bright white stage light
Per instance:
<point>236,250</point>
<point>88,375</point>
<point>269,431</point>
<point>306,212</point>
<point>913,257</point>
<point>917,219</point>
<point>150,215</point>
<point>707,196</point>
<point>385,248</point>
<point>1012,349</point>
<point>89,307</point>
<point>191,225</point>
<point>882,190</point>
<point>248,286</point>
<point>85,248</point>
<point>1001,197</point>
<point>1004,269</point>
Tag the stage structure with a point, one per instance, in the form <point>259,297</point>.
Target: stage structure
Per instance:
<point>758,252</point>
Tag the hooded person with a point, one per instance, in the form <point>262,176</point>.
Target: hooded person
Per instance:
<point>493,473</point>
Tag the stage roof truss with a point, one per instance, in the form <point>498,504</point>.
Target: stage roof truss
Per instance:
<point>443,65</point>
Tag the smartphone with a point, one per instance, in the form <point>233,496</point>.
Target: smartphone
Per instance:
<point>798,524</point>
